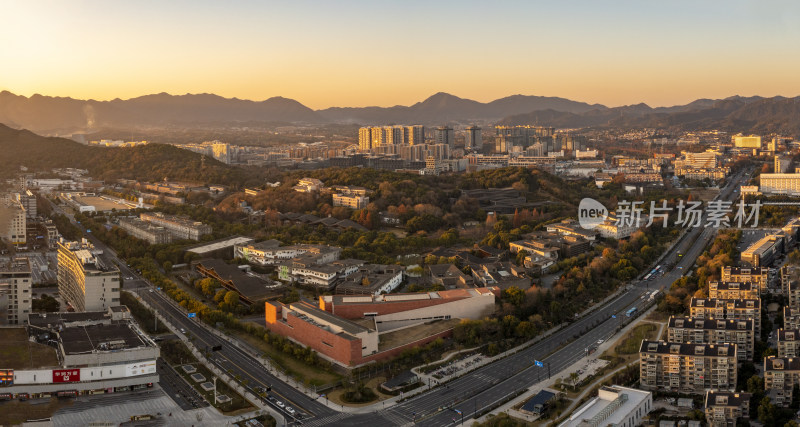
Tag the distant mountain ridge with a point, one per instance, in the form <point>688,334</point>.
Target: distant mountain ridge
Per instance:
<point>56,115</point>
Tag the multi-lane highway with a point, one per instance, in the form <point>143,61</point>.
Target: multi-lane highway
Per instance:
<point>471,393</point>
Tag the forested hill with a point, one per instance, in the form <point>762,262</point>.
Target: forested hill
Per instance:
<point>152,162</point>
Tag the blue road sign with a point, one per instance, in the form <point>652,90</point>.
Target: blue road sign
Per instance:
<point>190,315</point>
<point>538,363</point>
<point>613,316</point>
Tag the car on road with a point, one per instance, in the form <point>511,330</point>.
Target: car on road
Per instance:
<point>183,331</point>
<point>290,410</point>
<point>151,290</point>
<point>599,342</point>
<point>280,404</point>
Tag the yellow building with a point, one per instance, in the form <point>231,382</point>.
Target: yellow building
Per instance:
<point>84,280</point>
<point>751,141</point>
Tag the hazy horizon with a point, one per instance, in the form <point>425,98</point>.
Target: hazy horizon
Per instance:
<point>353,54</point>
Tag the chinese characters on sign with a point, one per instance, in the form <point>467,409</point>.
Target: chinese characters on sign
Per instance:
<point>690,213</point>
<point>66,375</point>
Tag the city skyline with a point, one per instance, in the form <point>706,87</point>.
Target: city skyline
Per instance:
<point>350,54</point>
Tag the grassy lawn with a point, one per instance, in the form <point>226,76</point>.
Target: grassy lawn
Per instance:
<point>310,375</point>
<point>632,341</point>
<point>15,412</point>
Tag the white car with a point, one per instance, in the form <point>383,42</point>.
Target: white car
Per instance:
<point>183,331</point>
<point>290,410</point>
<point>599,342</point>
<point>280,404</point>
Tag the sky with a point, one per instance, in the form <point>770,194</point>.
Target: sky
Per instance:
<point>373,52</point>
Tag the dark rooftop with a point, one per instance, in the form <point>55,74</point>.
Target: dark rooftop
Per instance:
<point>44,319</point>
<point>86,339</point>
<point>534,404</point>
<point>249,287</point>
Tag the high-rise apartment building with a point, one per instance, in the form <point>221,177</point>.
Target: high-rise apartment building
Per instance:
<point>13,223</point>
<point>758,276</point>
<point>782,164</point>
<point>732,290</point>
<point>725,408</point>
<point>714,331</point>
<point>445,135</point>
<point>687,368</point>
<point>365,138</point>
<point>416,134</point>
<point>788,343</point>
<point>781,374</point>
<point>85,281</point>
<point>473,138</point>
<point>15,291</point>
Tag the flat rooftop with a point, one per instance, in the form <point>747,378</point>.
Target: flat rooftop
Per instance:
<point>632,398</point>
<point>102,204</point>
<point>219,244</point>
<point>44,319</point>
<point>19,353</point>
<point>86,339</point>
<point>347,326</point>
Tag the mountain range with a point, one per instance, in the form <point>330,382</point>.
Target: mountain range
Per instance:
<point>55,115</point>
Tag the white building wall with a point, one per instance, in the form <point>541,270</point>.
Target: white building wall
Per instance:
<point>468,308</point>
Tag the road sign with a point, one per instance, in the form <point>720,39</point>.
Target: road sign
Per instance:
<point>613,316</point>
<point>190,315</point>
<point>538,364</point>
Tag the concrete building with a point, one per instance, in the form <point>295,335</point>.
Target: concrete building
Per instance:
<point>270,252</point>
<point>705,160</point>
<point>614,406</point>
<point>416,134</point>
<point>788,342</point>
<point>782,164</point>
<point>570,227</point>
<point>714,331</point>
<point>179,227</point>
<point>724,408</point>
<point>308,185</point>
<point>305,271</point>
<point>791,317</point>
<point>687,368</point>
<point>13,223</point>
<point>395,311</point>
<point>445,135</point>
<point>732,290</point>
<point>615,227</point>
<point>84,280</point>
<point>780,183</point>
<point>758,276</point>
<point>736,309</point>
<point>146,231</point>
<point>781,374</point>
<point>764,251</point>
<point>741,141</point>
<point>28,201</point>
<point>15,291</point>
<point>473,138</point>
<point>372,279</point>
<point>97,353</point>
<point>350,201</point>
<point>790,284</point>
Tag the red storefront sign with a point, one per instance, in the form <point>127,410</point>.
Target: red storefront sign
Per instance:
<point>66,375</point>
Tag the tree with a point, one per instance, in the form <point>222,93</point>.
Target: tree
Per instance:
<point>514,295</point>
<point>573,377</point>
<point>231,299</point>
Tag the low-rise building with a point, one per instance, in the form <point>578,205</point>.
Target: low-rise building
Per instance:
<point>570,227</point>
<point>781,374</point>
<point>764,251</point>
<point>179,227</point>
<point>270,252</point>
<point>725,408</point>
<point>687,368</point>
<point>308,185</point>
<point>788,343</point>
<point>759,276</point>
<point>614,406</point>
<point>304,270</point>
<point>617,227</point>
<point>714,331</point>
<point>352,201</point>
<point>153,234</point>
<point>501,274</point>
<point>449,276</point>
<point>732,290</point>
<point>372,279</point>
<point>737,309</point>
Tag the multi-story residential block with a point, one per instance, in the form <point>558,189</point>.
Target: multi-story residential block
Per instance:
<point>732,290</point>
<point>687,368</point>
<point>179,227</point>
<point>15,291</point>
<point>305,271</point>
<point>700,174</point>
<point>85,281</point>
<point>13,223</point>
<point>139,229</point>
<point>714,331</point>
<point>28,201</point>
<point>737,309</point>
<point>350,201</point>
<point>445,135</point>
<point>788,342</point>
<point>780,183</point>
<point>781,374</point>
<point>759,276</point>
<point>725,408</point>
<point>782,164</point>
<point>790,284</point>
<point>705,160</point>
<point>791,317</point>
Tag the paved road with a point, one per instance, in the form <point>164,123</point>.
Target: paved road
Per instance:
<point>177,388</point>
<point>473,392</point>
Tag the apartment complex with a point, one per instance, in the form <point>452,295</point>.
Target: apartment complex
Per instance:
<point>791,317</point>
<point>790,284</point>
<point>378,136</point>
<point>15,291</point>
<point>687,368</point>
<point>714,331</point>
<point>179,227</point>
<point>736,309</point>
<point>759,276</point>
<point>13,223</point>
<point>473,140</point>
<point>84,280</point>
<point>780,183</point>
<point>725,408</point>
<point>788,343</point>
<point>732,290</point>
<point>781,374</point>
<point>146,231</point>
